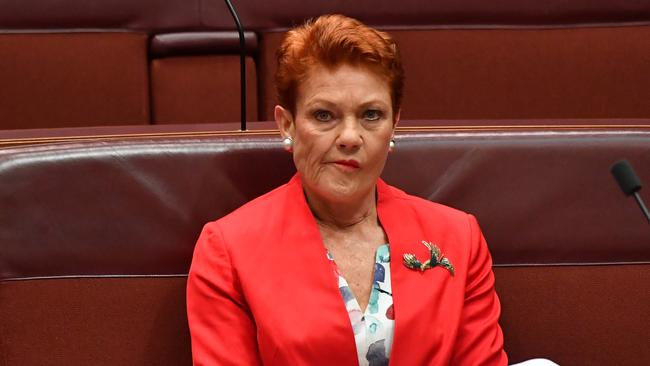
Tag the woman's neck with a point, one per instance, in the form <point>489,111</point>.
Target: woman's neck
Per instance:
<point>343,215</point>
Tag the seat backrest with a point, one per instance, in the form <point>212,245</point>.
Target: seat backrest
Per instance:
<point>98,234</point>
<point>72,63</point>
<point>63,79</point>
<point>69,63</point>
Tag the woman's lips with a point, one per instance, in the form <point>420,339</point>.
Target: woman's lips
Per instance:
<point>347,164</point>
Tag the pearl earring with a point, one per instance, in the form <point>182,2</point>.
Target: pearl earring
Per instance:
<point>287,143</point>
<point>391,145</point>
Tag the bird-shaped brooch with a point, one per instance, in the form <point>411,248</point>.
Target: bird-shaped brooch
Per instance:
<point>437,259</point>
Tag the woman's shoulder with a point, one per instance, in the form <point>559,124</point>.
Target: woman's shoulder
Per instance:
<point>245,230</point>
<point>263,216</point>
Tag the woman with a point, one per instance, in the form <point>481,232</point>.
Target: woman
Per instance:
<point>336,267</point>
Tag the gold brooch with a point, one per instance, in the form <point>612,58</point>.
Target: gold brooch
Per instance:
<point>437,259</point>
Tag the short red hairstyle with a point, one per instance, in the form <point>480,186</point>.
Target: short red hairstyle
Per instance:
<point>330,41</point>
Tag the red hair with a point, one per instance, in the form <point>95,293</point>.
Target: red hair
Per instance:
<point>332,40</point>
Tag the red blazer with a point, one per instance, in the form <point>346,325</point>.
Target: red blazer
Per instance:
<point>261,291</point>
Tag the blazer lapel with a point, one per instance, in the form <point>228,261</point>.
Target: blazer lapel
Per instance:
<point>417,295</point>
<point>322,331</point>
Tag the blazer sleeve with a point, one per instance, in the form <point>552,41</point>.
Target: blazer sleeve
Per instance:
<point>480,339</point>
<point>222,328</point>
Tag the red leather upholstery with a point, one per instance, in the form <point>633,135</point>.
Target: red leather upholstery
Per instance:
<point>196,89</point>
<point>97,231</point>
<point>512,60</point>
<point>73,79</point>
<point>97,224</point>
<point>172,15</point>
<point>191,43</point>
<point>590,72</point>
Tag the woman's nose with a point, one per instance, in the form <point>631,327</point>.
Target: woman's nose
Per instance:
<point>350,134</point>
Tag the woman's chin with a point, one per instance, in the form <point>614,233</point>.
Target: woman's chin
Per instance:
<point>337,187</point>
<point>343,191</point>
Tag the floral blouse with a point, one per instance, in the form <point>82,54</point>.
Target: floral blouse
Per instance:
<point>373,329</point>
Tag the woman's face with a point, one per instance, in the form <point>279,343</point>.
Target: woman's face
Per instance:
<point>341,131</point>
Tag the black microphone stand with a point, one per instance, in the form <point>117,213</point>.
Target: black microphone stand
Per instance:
<point>242,63</point>
<point>639,201</point>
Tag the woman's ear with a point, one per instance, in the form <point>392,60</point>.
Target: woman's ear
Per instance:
<point>396,119</point>
<point>285,122</point>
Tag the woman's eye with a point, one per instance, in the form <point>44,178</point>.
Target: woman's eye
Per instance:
<point>323,116</point>
<point>372,115</point>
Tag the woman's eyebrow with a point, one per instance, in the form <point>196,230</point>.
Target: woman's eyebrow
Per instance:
<point>328,103</point>
<point>320,101</point>
<point>374,103</point>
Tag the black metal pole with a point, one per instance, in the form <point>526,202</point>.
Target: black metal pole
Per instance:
<point>242,63</point>
<point>642,205</point>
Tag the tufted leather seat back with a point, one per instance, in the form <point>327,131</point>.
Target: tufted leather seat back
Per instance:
<point>97,235</point>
